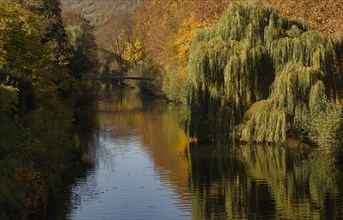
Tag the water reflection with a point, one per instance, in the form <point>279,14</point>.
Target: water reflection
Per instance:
<point>264,182</point>
<point>127,182</point>
<point>145,167</point>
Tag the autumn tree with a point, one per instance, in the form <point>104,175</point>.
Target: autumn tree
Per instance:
<point>120,26</point>
<point>167,28</point>
<point>22,55</point>
<point>134,52</point>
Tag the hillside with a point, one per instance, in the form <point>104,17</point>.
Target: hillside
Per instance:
<point>98,11</point>
<point>323,15</point>
<point>109,18</point>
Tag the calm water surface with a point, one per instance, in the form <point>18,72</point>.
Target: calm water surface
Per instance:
<point>145,167</point>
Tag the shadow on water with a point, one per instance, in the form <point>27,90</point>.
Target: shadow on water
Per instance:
<point>143,162</point>
<point>61,204</point>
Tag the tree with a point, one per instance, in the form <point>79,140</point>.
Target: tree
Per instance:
<point>36,138</point>
<point>117,33</point>
<point>22,55</point>
<point>53,29</point>
<point>134,52</point>
<point>258,74</point>
<point>81,39</point>
<point>167,38</point>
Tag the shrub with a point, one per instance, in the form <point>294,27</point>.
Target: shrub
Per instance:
<point>175,84</point>
<point>324,124</point>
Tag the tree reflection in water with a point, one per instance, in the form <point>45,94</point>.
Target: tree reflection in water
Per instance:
<point>263,182</point>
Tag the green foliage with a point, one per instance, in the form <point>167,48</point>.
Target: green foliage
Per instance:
<point>264,123</point>
<point>19,45</point>
<point>8,98</point>
<point>84,58</point>
<point>324,124</point>
<point>267,69</point>
<point>175,84</point>
<point>38,96</point>
<point>53,32</point>
<point>74,33</point>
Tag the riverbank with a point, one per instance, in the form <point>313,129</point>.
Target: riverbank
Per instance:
<point>40,152</point>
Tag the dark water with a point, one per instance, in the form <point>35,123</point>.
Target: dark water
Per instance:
<point>145,167</point>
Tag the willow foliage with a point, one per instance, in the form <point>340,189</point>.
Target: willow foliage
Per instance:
<point>266,71</point>
<point>324,124</point>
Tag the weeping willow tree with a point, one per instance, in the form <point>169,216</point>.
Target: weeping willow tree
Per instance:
<point>258,72</point>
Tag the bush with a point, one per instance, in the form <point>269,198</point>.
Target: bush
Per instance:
<point>324,124</point>
<point>175,84</point>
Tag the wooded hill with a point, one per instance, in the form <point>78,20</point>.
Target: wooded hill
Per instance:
<point>110,19</point>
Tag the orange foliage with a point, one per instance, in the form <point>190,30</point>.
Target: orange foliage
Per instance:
<point>323,15</point>
<point>160,23</point>
<point>159,20</point>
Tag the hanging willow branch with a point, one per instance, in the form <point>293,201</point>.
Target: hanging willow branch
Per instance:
<point>260,71</point>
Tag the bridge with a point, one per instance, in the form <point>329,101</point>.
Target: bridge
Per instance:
<point>127,77</point>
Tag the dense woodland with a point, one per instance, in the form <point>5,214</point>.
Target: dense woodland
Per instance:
<point>44,66</point>
<point>255,72</point>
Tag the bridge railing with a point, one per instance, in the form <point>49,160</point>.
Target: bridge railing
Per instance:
<point>127,77</point>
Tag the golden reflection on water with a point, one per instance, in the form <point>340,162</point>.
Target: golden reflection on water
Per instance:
<point>157,124</point>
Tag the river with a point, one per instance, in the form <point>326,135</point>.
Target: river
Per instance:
<point>143,166</point>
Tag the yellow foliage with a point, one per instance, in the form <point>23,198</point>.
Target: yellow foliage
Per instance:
<point>176,59</point>
<point>135,52</point>
<point>175,84</point>
<point>16,25</point>
<point>182,39</point>
<point>167,28</point>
